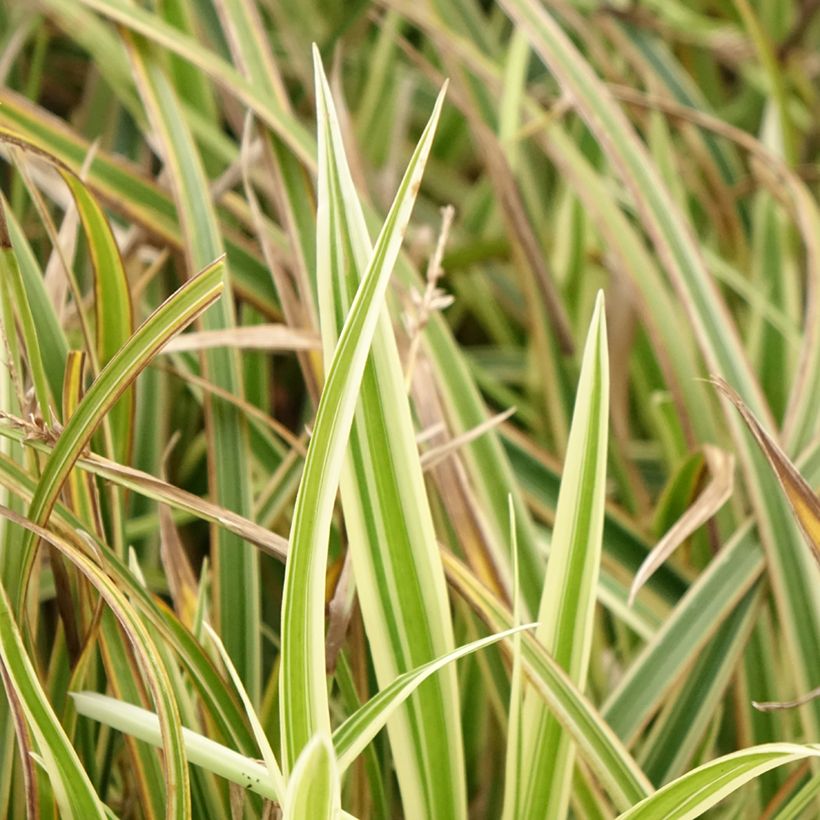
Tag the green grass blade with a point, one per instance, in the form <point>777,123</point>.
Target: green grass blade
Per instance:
<point>697,791</point>
<point>351,738</point>
<point>173,315</point>
<point>177,789</point>
<point>801,803</point>
<point>10,271</point>
<point>125,682</point>
<point>188,79</point>
<point>274,772</point>
<point>681,639</point>
<point>73,790</point>
<point>568,598</point>
<point>313,787</point>
<point>53,344</point>
<point>625,546</point>
<point>304,707</point>
<point>679,730</point>
<point>513,773</point>
<point>223,709</point>
<point>597,743</point>
<point>112,305</point>
<point>127,190</point>
<point>399,578</point>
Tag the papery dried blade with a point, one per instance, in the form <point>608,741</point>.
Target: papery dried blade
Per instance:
<point>802,499</point>
<point>716,493</point>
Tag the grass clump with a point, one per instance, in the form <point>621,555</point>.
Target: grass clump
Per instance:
<point>469,392</point>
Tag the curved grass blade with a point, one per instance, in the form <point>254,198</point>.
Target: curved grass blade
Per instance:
<point>154,488</point>
<point>713,496</point>
<point>72,788</point>
<point>274,772</point>
<point>179,310</point>
<point>126,189</point>
<point>124,681</point>
<point>351,738</point>
<point>54,347</point>
<point>222,708</point>
<point>697,791</point>
<point>304,707</point>
<point>178,795</point>
<point>568,597</point>
<point>10,271</point>
<point>189,81</point>
<point>112,305</point>
<point>804,503</point>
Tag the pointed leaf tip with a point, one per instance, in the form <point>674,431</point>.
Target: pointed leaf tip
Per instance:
<point>804,503</point>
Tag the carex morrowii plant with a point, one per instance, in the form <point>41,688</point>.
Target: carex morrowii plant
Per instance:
<point>469,394</point>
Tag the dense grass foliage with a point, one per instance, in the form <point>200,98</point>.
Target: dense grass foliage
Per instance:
<point>445,368</point>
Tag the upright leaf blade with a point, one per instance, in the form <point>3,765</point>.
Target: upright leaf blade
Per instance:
<point>399,577</point>
<point>313,788</point>
<point>304,704</point>
<point>599,745</point>
<point>568,598</point>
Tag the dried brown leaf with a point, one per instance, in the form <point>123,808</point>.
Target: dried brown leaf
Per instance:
<point>722,468</point>
<point>802,499</point>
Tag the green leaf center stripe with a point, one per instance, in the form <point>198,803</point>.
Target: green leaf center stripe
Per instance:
<point>304,705</point>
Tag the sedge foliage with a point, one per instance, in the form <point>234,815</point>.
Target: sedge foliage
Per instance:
<point>291,452</point>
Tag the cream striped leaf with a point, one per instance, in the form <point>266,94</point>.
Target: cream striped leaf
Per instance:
<point>304,701</point>
<point>399,577</point>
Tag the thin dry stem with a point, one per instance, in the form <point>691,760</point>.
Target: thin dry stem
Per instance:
<point>774,706</point>
<point>433,298</point>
